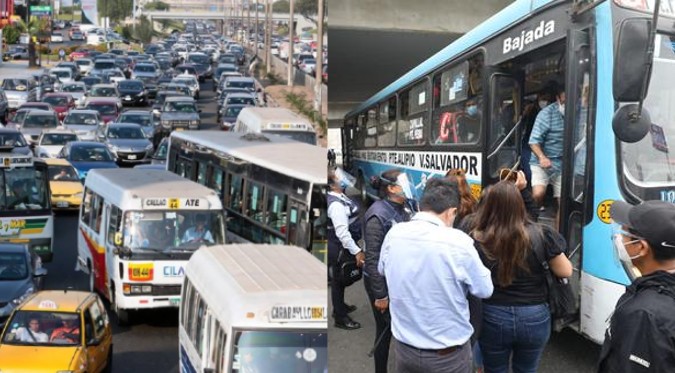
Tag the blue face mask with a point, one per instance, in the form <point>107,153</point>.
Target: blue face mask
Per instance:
<point>343,185</point>
<point>472,110</point>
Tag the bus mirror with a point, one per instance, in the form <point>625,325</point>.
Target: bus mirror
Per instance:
<point>629,125</point>
<point>632,60</point>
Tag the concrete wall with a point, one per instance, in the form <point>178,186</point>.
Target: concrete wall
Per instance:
<point>452,16</point>
<point>280,68</point>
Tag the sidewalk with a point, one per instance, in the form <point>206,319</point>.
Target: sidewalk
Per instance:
<point>20,68</point>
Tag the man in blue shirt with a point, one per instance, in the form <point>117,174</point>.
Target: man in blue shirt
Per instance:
<point>430,268</point>
<point>198,233</point>
<point>546,142</point>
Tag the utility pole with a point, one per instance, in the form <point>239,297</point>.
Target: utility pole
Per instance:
<point>319,59</point>
<point>257,33</point>
<point>268,35</point>
<point>291,23</point>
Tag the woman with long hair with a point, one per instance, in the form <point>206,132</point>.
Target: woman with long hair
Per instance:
<point>516,319</point>
<point>467,202</point>
<point>380,217</point>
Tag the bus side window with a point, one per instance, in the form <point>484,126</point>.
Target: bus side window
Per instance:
<point>86,206</point>
<point>201,172</point>
<point>235,195</point>
<point>97,212</point>
<point>276,210</point>
<point>254,205</point>
<point>114,224</point>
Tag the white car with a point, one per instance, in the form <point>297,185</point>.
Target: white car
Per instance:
<point>85,65</point>
<point>308,66</point>
<point>77,90</point>
<point>56,37</point>
<point>189,80</point>
<point>64,74</point>
<point>51,142</point>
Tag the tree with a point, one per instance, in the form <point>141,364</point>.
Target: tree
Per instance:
<point>144,30</point>
<point>157,5</point>
<point>117,10</point>
<point>34,28</point>
<point>309,10</point>
<point>11,34</point>
<point>281,6</point>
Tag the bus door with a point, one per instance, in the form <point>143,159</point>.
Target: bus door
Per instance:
<point>576,208</point>
<point>503,126</point>
<point>298,224</point>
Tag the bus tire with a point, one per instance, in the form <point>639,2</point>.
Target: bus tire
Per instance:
<point>363,194</point>
<point>122,314</point>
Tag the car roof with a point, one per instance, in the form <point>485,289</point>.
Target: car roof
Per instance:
<point>180,98</point>
<point>241,79</point>
<point>58,131</point>
<point>57,94</point>
<point>8,130</point>
<point>103,100</point>
<point>123,125</point>
<point>136,112</point>
<point>241,95</point>
<point>104,85</point>
<point>87,144</point>
<point>12,248</point>
<point>56,162</point>
<point>83,111</point>
<point>56,301</point>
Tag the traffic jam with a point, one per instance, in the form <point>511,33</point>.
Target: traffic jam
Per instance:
<point>88,141</point>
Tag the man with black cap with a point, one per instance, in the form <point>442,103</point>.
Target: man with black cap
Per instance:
<point>642,329</point>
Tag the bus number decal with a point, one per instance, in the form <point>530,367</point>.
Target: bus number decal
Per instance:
<point>141,272</point>
<point>668,196</point>
<point>603,211</point>
<point>11,226</point>
<point>174,203</point>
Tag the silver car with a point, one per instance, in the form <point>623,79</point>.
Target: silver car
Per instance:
<point>84,123</point>
<point>20,90</point>
<point>21,274</point>
<point>37,121</point>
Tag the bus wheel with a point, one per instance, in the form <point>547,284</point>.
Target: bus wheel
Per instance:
<point>362,188</point>
<point>122,314</point>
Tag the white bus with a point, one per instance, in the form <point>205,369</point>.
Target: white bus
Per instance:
<point>138,229</point>
<point>277,121</point>
<point>253,308</point>
<point>273,188</point>
<point>25,208</point>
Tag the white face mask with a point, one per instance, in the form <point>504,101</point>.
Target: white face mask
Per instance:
<point>543,104</point>
<point>561,109</point>
<point>625,259</point>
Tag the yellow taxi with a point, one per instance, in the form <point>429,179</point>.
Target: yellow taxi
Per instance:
<point>64,183</point>
<point>57,331</point>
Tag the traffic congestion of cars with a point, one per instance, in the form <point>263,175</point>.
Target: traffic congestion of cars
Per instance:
<point>98,111</point>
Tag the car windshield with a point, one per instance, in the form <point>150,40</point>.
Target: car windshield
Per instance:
<point>40,121</point>
<point>247,85</point>
<point>61,73</point>
<point>23,188</point>
<point>145,68</point>
<point>91,80</point>
<point>63,173</point>
<point>186,82</point>
<point>186,70</point>
<point>19,116</point>
<point>104,109</point>
<point>73,88</point>
<point>57,138</point>
<point>140,119</point>
<point>233,111</point>
<point>184,107</point>
<point>31,328</point>
<point>83,62</point>
<point>13,266</point>
<point>15,84</point>
<point>241,100</point>
<point>81,118</point>
<point>90,154</point>
<point>162,230</point>
<point>195,58</point>
<point>56,100</point>
<point>125,133</point>
<point>138,86</point>
<point>103,92</point>
<point>104,65</point>
<point>280,351</point>
<point>13,139</point>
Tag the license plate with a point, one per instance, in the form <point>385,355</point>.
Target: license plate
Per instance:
<point>61,204</point>
<point>132,156</point>
<point>174,301</point>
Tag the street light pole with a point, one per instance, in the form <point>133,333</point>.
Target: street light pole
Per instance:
<point>319,59</point>
<point>291,23</point>
<point>256,28</point>
<point>267,36</point>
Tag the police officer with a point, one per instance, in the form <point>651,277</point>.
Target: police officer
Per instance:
<point>344,230</point>
<point>393,187</point>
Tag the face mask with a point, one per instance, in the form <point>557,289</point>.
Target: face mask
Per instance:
<point>343,185</point>
<point>543,104</point>
<point>561,109</point>
<point>472,110</point>
<point>625,258</point>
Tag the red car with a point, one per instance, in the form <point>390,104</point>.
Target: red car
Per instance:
<point>61,102</point>
<point>79,54</point>
<point>109,109</point>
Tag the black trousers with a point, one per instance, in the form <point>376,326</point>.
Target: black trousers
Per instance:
<point>337,290</point>
<point>382,325</point>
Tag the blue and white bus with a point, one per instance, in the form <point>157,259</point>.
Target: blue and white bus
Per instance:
<point>598,50</point>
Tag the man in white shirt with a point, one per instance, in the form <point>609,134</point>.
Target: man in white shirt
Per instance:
<point>430,268</point>
<point>32,333</point>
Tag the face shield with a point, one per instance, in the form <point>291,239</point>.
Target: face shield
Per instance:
<point>408,191</point>
<point>343,179</point>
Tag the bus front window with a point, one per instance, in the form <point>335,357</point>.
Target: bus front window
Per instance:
<point>274,351</point>
<point>23,189</point>
<point>166,230</point>
<point>647,163</point>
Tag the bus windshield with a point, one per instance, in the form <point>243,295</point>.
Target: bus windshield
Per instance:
<point>280,351</point>
<point>306,137</point>
<point>23,189</point>
<point>160,230</point>
<point>647,162</point>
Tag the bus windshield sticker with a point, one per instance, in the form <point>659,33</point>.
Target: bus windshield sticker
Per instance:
<point>422,98</point>
<point>658,138</point>
<point>309,354</point>
<point>454,84</point>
